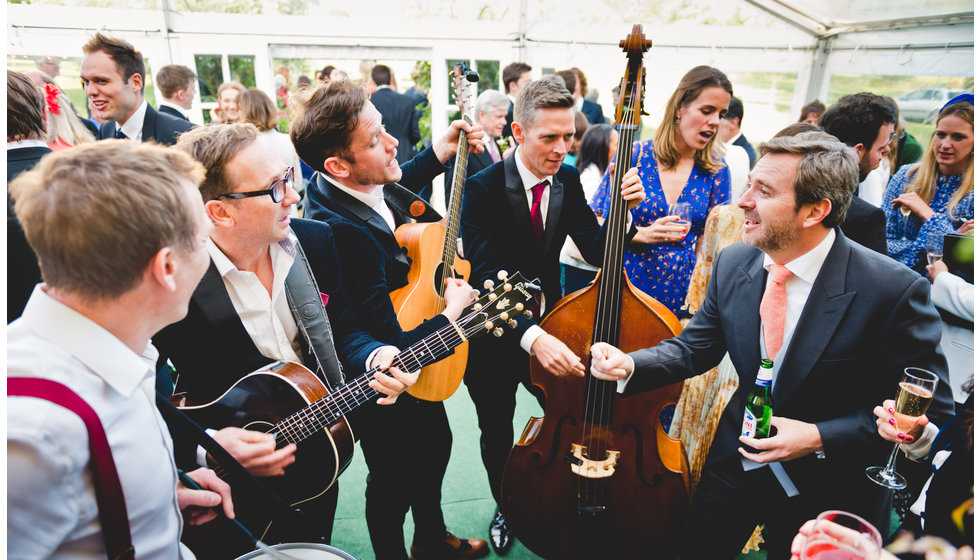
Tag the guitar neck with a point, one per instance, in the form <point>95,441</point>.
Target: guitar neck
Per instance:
<point>320,414</point>
<point>454,205</point>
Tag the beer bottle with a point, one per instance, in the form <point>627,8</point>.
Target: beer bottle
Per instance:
<point>758,409</point>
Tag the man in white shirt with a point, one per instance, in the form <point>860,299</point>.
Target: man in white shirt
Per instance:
<point>111,281</point>
<point>852,321</point>
<point>113,75</point>
<point>730,130</point>
<point>177,85</point>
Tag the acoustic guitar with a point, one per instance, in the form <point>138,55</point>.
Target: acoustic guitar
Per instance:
<point>432,248</point>
<point>288,400</point>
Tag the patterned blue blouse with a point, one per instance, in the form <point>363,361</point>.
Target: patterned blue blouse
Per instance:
<point>908,239</point>
<point>663,270</point>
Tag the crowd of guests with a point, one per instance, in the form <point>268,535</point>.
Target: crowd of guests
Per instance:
<point>840,199</point>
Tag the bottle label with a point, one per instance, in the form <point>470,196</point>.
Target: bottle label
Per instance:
<point>761,382</point>
<point>749,422</point>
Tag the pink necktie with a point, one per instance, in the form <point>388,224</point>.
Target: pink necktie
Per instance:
<point>773,309</point>
<point>494,151</point>
<point>537,222</point>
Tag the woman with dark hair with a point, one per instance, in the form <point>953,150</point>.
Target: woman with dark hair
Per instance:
<point>811,112</point>
<point>925,201</point>
<point>597,148</point>
<point>257,108</point>
<point>680,165</point>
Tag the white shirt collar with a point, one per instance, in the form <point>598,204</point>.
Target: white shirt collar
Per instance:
<point>225,266</point>
<point>528,178</point>
<point>175,107</point>
<point>32,143</point>
<point>386,86</point>
<point>807,266</point>
<point>579,103</point>
<point>370,199</point>
<point>133,128</point>
<point>100,350</point>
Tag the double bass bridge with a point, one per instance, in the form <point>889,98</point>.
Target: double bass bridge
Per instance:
<point>591,468</point>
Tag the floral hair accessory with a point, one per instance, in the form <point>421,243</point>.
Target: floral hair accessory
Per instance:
<point>51,96</point>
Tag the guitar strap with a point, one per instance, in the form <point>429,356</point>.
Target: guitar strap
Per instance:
<point>105,477</point>
<point>310,313</point>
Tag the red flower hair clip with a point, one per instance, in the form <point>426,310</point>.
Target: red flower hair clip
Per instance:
<point>51,96</point>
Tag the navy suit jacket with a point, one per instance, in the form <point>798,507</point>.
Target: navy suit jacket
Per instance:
<point>864,224</point>
<point>475,164</point>
<point>211,348</point>
<point>496,229</point>
<point>158,127</point>
<point>508,131</point>
<point>866,319</point>
<point>23,272</point>
<point>744,142</point>
<point>593,112</point>
<point>400,120</point>
<point>168,110</point>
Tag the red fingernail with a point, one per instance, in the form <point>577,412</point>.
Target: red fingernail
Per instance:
<point>891,410</point>
<point>891,421</point>
<point>901,436</point>
<point>908,438</point>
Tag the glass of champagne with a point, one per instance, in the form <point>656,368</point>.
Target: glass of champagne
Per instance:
<point>905,210</point>
<point>914,396</point>
<point>838,535</point>
<point>934,250</point>
<point>683,212</point>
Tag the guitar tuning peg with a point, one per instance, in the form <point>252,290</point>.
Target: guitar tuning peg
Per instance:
<point>528,314</point>
<point>505,316</point>
<point>508,287</point>
<point>492,296</point>
<point>478,307</point>
<point>475,294</point>
<point>519,307</point>
<point>488,325</point>
<point>512,323</point>
<point>488,284</point>
<point>502,275</point>
<point>498,332</point>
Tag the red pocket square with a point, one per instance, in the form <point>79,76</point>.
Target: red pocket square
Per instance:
<point>324,298</point>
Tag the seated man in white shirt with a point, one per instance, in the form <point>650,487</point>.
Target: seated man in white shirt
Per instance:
<point>120,233</point>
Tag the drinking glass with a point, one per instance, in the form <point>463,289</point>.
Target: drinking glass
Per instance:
<point>905,210</point>
<point>934,250</point>
<point>683,212</point>
<point>914,396</point>
<point>838,535</point>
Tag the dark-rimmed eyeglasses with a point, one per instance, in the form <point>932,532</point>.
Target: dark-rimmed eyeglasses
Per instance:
<point>276,190</point>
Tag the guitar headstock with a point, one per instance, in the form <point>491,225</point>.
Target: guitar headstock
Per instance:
<point>462,77</point>
<point>499,306</point>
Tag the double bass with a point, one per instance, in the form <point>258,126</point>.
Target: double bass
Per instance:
<point>598,476</point>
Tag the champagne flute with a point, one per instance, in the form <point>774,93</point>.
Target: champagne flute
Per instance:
<point>683,212</point>
<point>838,535</point>
<point>905,210</point>
<point>934,250</point>
<point>914,396</point>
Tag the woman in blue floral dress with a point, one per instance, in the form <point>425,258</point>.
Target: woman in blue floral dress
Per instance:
<point>937,192</point>
<point>680,164</point>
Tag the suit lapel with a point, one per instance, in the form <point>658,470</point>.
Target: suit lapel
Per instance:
<point>517,198</point>
<point>149,124</point>
<point>338,199</point>
<point>751,279</point>
<point>212,298</point>
<point>555,202</point>
<point>823,312</point>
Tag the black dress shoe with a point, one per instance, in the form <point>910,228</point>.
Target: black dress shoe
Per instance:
<point>500,534</point>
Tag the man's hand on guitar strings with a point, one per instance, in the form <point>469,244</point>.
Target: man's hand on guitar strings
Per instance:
<point>458,297</point>
<point>396,381</point>
<point>256,451</point>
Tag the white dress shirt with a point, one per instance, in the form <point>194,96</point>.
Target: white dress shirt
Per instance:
<point>267,318</point>
<point>51,506</point>
<point>375,200</point>
<point>133,128</point>
<point>529,180</point>
<point>26,144</point>
<point>738,165</point>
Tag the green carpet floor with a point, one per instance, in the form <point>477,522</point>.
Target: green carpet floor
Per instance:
<point>465,493</point>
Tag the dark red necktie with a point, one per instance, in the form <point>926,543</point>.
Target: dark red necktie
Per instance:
<point>537,221</point>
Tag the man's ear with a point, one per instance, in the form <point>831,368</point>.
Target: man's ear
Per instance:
<point>163,268</point>
<point>137,82</point>
<point>816,212</point>
<point>518,131</point>
<point>336,166</point>
<point>861,150</point>
<point>218,213</point>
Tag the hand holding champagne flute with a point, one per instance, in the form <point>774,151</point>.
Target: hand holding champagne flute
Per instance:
<point>914,396</point>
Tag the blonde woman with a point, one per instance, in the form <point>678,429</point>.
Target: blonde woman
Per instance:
<point>227,110</point>
<point>64,129</point>
<point>925,201</point>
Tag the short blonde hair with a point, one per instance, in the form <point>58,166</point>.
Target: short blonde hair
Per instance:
<point>97,214</point>
<point>214,146</point>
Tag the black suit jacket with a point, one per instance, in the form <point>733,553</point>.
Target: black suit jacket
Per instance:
<point>508,131</point>
<point>866,319</point>
<point>157,127</point>
<point>211,349</point>
<point>744,142</point>
<point>168,110</point>
<point>400,120</point>
<point>496,228</point>
<point>475,164</point>
<point>23,272</point>
<point>593,112</point>
<point>864,224</point>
